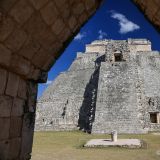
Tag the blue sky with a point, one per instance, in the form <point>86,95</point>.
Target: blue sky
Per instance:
<point>116,19</point>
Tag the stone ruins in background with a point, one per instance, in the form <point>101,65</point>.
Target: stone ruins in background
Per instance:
<point>114,85</point>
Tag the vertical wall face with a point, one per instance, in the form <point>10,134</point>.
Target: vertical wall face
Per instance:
<point>150,73</point>
<point>128,91</point>
<point>17,104</point>
<point>116,107</point>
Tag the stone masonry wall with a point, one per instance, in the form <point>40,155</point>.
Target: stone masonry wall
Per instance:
<point>33,34</point>
<point>17,104</point>
<point>60,110</point>
<point>66,107</point>
<point>150,72</point>
<point>99,94</point>
<point>116,107</point>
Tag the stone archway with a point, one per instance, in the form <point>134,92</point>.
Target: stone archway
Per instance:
<point>33,34</point>
<point>151,10</point>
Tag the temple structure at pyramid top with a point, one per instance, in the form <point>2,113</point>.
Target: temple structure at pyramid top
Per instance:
<point>114,85</point>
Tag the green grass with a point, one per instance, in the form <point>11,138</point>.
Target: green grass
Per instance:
<point>68,146</point>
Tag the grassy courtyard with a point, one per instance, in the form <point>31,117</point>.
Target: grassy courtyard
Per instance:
<point>68,146</point>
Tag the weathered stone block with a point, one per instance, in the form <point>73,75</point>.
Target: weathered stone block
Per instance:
<point>3,80</point>
<point>10,149</point>
<point>32,96</point>
<point>65,12</point>
<point>16,39</point>
<point>0,16</point>
<point>56,49</point>
<point>26,145</point>
<point>5,54</point>
<point>83,17</point>
<point>49,13</point>
<point>5,127</point>
<point>4,149</point>
<point>7,5</point>
<point>12,85</point>
<point>38,4</point>
<point>16,127</point>
<point>21,11</point>
<point>14,148</point>
<point>34,73</point>
<point>63,36</point>
<point>156,18</point>
<point>89,4</point>
<point>28,122</point>
<point>78,8</point>
<point>18,107</point>
<point>151,9</point>
<point>60,3</point>
<point>64,7</point>
<point>71,2</point>
<point>20,65</point>
<point>72,23</point>
<point>36,26</point>
<point>40,58</point>
<point>49,63</point>
<point>38,75</point>
<point>30,48</point>
<point>22,89</point>
<point>157,2</point>
<point>27,135</point>
<point>47,40</point>
<point>6,27</point>
<point>5,106</point>
<point>58,26</point>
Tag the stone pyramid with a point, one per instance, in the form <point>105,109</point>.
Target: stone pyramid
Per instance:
<point>114,85</point>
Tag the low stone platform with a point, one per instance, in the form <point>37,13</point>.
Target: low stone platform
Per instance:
<point>156,133</point>
<point>124,143</point>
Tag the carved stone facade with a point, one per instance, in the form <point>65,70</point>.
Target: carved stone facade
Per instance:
<point>114,85</point>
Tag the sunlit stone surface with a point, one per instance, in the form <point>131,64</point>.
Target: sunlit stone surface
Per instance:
<point>114,85</point>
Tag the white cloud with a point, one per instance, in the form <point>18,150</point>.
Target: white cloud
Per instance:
<point>125,24</point>
<point>80,36</point>
<point>48,82</point>
<point>102,34</point>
